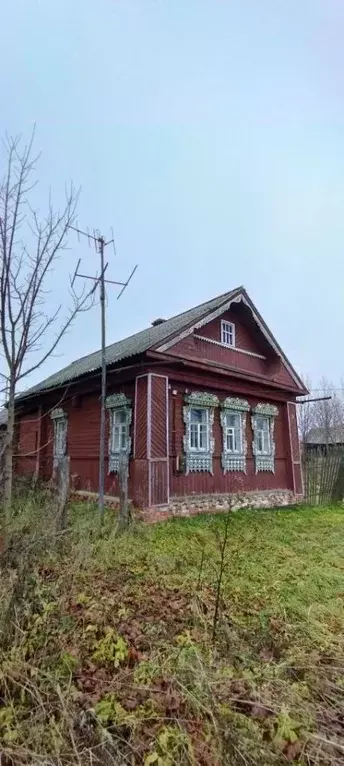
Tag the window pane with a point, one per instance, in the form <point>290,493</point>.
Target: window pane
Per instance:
<point>237,439</point>
<point>262,424</point>
<point>230,439</point>
<point>233,441</point>
<point>60,429</point>
<point>266,441</point>
<point>233,420</point>
<point>115,439</point>
<point>123,437</point>
<point>198,428</point>
<point>227,334</point>
<point>193,435</point>
<point>119,430</point>
<point>197,416</point>
<point>120,416</point>
<point>203,436</point>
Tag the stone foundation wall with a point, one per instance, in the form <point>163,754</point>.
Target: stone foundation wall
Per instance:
<point>191,506</point>
<point>195,504</point>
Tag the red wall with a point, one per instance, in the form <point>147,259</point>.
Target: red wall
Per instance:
<point>196,348</point>
<point>149,479</point>
<point>203,482</point>
<point>295,449</point>
<point>27,431</point>
<point>83,442</point>
<point>247,338</point>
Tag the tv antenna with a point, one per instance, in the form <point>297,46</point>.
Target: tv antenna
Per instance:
<point>100,243</point>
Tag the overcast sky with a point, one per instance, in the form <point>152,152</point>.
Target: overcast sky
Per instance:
<point>210,135</point>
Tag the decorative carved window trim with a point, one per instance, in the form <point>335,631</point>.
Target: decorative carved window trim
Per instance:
<point>234,460</point>
<point>115,403</point>
<point>199,459</point>
<point>60,420</point>
<point>265,461</point>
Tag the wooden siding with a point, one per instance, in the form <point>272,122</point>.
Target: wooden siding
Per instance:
<point>295,448</point>
<point>27,443</point>
<point>204,482</point>
<point>158,416</point>
<point>246,337</point>
<point>140,418</point>
<point>158,452</point>
<point>196,348</point>
<point>83,442</point>
<point>149,479</point>
<point>159,483</point>
<point>205,344</point>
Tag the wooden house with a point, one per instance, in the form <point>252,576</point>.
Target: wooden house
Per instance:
<point>204,404</point>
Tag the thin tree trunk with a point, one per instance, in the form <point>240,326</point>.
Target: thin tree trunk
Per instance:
<point>8,467</point>
<point>63,478</point>
<point>123,516</point>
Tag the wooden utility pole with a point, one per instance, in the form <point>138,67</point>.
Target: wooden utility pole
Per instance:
<point>100,245</point>
<point>103,383</point>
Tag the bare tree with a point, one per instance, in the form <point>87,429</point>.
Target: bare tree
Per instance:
<point>305,412</point>
<point>30,245</point>
<point>328,414</point>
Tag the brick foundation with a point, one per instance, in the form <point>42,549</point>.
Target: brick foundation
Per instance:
<point>193,505</point>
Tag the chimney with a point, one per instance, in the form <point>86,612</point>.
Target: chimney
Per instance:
<point>158,321</point>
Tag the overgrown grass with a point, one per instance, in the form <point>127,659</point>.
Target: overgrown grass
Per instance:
<point>109,658</point>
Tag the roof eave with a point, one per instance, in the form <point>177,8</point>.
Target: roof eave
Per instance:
<point>222,369</point>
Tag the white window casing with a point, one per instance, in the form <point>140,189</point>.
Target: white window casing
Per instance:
<point>198,414</point>
<point>227,333</point>
<point>234,443</point>
<point>263,424</point>
<point>120,412</point>
<point>60,420</point>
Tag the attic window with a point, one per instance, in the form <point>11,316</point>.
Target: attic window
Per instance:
<point>227,333</point>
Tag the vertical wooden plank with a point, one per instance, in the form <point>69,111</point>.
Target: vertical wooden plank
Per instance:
<point>295,449</point>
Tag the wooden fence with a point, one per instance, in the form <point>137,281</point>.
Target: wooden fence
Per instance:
<point>323,475</point>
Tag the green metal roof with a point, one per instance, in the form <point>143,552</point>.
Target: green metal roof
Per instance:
<point>135,344</point>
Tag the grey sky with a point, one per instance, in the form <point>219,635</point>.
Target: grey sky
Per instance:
<point>210,135</point>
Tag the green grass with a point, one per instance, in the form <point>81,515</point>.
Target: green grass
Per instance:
<point>112,655</point>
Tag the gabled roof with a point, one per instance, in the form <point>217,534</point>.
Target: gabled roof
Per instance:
<point>333,435</point>
<point>160,337</point>
<point>135,344</point>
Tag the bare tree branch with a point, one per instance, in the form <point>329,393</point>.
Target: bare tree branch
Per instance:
<point>30,247</point>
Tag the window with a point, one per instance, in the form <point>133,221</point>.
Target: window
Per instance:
<point>227,333</point>
<point>233,421</point>
<point>120,413</point>
<point>263,423</point>
<point>119,430</point>
<point>262,432</point>
<point>198,440</point>
<point>198,429</point>
<point>233,432</point>
<point>60,421</point>
<point>60,436</point>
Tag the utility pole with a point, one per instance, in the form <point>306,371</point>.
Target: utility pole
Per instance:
<point>100,245</point>
<point>103,383</point>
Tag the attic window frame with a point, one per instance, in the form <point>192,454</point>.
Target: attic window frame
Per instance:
<point>227,331</point>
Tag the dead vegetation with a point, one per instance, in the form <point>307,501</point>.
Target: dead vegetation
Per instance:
<point>107,646</point>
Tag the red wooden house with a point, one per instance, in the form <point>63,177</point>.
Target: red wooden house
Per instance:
<point>203,404</point>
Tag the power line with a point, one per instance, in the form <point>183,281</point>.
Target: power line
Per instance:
<point>100,243</point>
